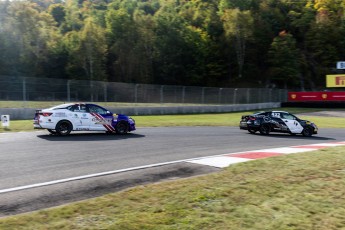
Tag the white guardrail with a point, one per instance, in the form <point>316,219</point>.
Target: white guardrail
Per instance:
<point>28,113</point>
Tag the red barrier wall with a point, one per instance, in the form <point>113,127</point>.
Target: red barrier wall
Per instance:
<point>316,96</point>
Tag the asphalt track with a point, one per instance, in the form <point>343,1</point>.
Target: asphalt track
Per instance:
<point>91,164</point>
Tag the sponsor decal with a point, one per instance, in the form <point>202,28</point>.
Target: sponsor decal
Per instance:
<point>84,116</point>
<point>101,121</point>
<point>324,96</point>
<point>98,119</point>
<point>59,115</point>
<point>75,115</point>
<point>82,129</point>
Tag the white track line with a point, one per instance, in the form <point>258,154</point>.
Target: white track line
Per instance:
<point>84,177</point>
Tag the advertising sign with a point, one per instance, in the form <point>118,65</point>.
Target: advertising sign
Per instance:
<point>341,65</point>
<point>5,120</point>
<point>316,96</point>
<point>335,80</point>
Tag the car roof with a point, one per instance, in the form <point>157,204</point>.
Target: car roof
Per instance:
<point>61,106</point>
<point>278,111</point>
<point>273,111</point>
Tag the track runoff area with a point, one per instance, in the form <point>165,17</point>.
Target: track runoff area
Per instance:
<point>219,161</point>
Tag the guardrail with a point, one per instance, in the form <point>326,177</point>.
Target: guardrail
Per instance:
<point>26,113</point>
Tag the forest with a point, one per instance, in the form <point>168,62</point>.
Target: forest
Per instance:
<point>290,44</point>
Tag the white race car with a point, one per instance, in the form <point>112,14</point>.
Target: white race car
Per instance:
<point>63,119</point>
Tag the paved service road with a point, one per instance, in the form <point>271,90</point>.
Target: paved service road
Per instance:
<point>36,157</point>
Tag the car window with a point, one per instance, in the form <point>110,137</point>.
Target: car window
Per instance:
<point>97,109</point>
<point>63,106</point>
<point>78,108</point>
<point>288,116</point>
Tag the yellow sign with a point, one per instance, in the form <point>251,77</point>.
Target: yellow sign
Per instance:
<point>336,80</point>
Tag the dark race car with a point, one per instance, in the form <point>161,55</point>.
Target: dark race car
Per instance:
<point>277,121</point>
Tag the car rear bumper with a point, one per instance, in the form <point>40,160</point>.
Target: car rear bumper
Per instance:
<point>243,125</point>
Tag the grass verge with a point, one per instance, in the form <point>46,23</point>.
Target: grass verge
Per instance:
<point>297,191</point>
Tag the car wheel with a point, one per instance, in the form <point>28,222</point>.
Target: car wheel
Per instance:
<point>52,131</point>
<point>264,129</point>
<point>121,127</point>
<point>63,128</point>
<point>307,131</point>
<point>252,131</point>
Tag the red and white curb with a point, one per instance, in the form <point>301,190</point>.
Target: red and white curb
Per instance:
<point>225,160</point>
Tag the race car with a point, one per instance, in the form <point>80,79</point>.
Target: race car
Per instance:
<point>63,119</point>
<point>277,121</point>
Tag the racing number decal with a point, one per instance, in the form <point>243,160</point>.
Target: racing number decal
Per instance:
<point>277,115</point>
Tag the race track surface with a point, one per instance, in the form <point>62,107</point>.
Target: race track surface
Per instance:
<point>37,157</point>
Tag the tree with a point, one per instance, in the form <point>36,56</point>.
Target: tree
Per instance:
<point>238,27</point>
<point>34,34</point>
<point>58,12</point>
<point>87,50</point>
<point>122,37</point>
<point>284,60</point>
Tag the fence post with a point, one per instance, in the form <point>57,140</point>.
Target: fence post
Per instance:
<point>248,96</point>
<point>136,93</point>
<point>68,90</point>
<point>24,89</point>
<point>270,96</point>
<point>105,92</point>
<point>220,96</point>
<point>183,93</point>
<point>91,91</point>
<point>162,94</point>
<point>235,95</point>
<point>24,92</point>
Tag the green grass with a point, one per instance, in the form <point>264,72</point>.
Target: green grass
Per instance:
<point>297,191</point>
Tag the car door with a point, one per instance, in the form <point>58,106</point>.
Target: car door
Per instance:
<point>80,117</point>
<point>101,118</point>
<point>292,123</point>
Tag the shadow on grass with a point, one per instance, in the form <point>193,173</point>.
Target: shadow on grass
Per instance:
<point>90,137</point>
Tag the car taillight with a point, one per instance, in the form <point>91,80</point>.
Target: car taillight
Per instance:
<point>46,114</point>
<point>252,118</point>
